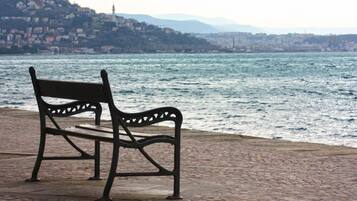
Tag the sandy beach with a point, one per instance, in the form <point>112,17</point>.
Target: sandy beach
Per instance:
<point>214,167</point>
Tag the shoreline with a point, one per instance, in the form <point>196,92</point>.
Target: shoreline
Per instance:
<point>204,132</point>
<point>153,53</point>
<point>20,113</point>
<point>213,167</point>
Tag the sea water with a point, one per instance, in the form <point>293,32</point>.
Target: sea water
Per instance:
<point>308,97</point>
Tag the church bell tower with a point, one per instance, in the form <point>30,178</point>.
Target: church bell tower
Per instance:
<point>113,12</point>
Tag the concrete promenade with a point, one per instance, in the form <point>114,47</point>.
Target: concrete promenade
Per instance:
<point>214,167</point>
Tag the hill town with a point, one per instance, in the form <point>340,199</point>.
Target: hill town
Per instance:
<point>57,26</point>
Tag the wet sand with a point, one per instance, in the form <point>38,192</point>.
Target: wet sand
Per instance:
<point>214,167</point>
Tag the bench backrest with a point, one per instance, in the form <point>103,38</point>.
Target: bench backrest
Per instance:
<point>92,92</point>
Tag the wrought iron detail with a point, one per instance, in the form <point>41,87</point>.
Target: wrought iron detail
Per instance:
<point>72,108</point>
<point>151,117</point>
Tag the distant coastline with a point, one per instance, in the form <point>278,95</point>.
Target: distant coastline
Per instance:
<point>262,42</point>
<point>219,51</point>
<point>59,27</point>
<point>233,42</point>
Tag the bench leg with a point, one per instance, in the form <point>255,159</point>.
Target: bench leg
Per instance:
<point>96,161</point>
<point>41,150</point>
<point>112,173</point>
<point>176,194</point>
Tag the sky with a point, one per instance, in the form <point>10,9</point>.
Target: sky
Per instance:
<point>262,13</point>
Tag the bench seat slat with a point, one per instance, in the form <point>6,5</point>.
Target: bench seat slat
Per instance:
<point>109,130</point>
<point>108,137</point>
<point>91,134</point>
<point>86,134</point>
<point>105,134</point>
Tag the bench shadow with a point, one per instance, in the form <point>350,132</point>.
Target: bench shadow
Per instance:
<point>83,190</point>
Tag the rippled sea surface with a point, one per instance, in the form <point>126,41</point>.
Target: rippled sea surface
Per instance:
<point>295,96</point>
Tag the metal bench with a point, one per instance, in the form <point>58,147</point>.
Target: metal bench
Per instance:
<point>87,97</point>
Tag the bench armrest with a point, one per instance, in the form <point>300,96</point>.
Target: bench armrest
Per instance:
<point>151,117</point>
<point>72,108</point>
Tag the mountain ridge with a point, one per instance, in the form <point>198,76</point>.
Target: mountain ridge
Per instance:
<point>185,26</point>
<point>193,24</point>
<point>227,25</point>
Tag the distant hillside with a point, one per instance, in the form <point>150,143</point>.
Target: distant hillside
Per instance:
<point>227,25</point>
<point>193,24</point>
<point>185,26</point>
<point>59,26</point>
<point>220,24</point>
<point>181,16</point>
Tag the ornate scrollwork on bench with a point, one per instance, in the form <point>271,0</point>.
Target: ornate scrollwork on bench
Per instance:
<point>152,117</point>
<point>73,108</point>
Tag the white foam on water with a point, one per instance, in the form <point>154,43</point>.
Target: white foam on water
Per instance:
<point>309,97</point>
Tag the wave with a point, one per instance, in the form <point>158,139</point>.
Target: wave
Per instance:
<point>286,95</point>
